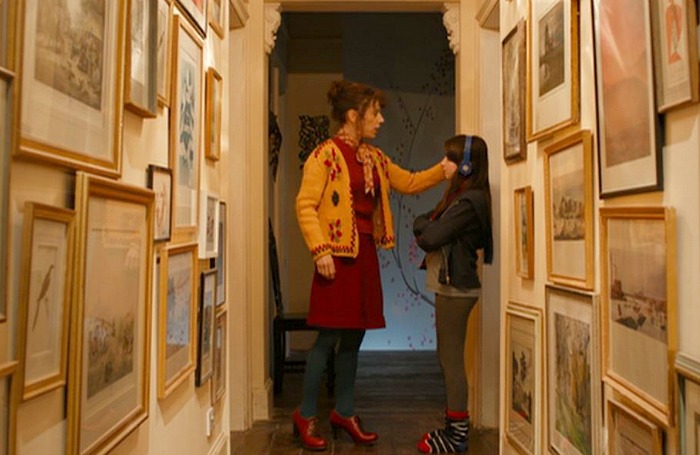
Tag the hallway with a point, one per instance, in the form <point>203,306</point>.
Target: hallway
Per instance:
<point>398,394</point>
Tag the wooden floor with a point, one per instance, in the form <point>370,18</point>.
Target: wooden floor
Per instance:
<point>398,394</point>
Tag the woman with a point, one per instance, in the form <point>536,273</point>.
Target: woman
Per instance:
<point>344,214</point>
<point>451,234</point>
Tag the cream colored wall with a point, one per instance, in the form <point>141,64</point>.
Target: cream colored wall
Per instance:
<point>175,425</point>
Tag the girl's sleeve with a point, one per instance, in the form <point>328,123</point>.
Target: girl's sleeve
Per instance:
<point>313,183</point>
<point>446,229</point>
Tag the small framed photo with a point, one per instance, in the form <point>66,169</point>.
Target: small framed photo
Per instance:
<point>688,377</point>
<point>140,89</point>
<point>164,50</point>
<point>568,170</point>
<point>196,12</point>
<point>639,308</point>
<point>221,258</point>
<point>514,71</point>
<point>216,16</point>
<point>630,432</point>
<point>205,341</point>
<point>218,380</point>
<point>160,180</point>
<point>524,232</point>
<point>523,381</point>
<point>45,290</point>
<point>208,225</point>
<point>212,124</point>
<point>177,316</point>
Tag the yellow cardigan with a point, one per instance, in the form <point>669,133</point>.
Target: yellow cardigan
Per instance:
<point>324,203</point>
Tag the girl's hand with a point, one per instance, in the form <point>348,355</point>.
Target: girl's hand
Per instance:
<point>326,267</point>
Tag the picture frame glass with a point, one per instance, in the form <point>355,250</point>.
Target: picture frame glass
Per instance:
<point>521,383</point>
<point>214,106</point>
<point>221,257</point>
<point>219,376</point>
<point>142,91</point>
<point>196,10</point>
<point>180,288</point>
<point>690,419</point>
<point>206,322</point>
<point>514,72</point>
<point>631,433</point>
<point>523,231</point>
<point>5,128</point>
<point>164,50</point>
<point>161,182</point>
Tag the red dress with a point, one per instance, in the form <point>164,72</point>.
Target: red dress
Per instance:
<point>353,299</point>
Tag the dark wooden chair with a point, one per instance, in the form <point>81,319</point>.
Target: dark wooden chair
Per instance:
<point>284,322</point>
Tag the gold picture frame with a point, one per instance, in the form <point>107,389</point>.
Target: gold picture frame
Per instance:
<point>568,171</point>
<point>196,13</point>
<point>514,83</point>
<point>688,383</point>
<point>218,379</point>
<point>212,123</point>
<point>524,232</point>
<point>216,16</point>
<point>140,85</point>
<point>45,291</point>
<point>639,305</point>
<point>9,401</point>
<point>631,432</point>
<point>205,327</point>
<point>164,50</point>
<point>109,356</point>
<point>177,317</point>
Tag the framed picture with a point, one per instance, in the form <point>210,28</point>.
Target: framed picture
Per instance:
<point>196,12</point>
<point>630,432</point>
<point>6,144</point>
<point>8,10</point>
<point>208,225</point>
<point>186,127</point>
<point>524,232</point>
<point>45,290</point>
<point>164,50</point>
<point>553,101</point>
<point>573,370</point>
<point>629,139</point>
<point>205,321</point>
<point>523,381</point>
<point>75,86</point>
<point>177,316</point>
<point>141,95</point>
<point>639,309</point>
<point>160,180</point>
<point>212,124</point>
<point>8,406</point>
<point>514,83</point>
<point>216,16</point>
<point>568,171</point>
<point>218,379</point>
<point>110,316</point>
<point>221,257</point>
<point>675,52</point>
<point>688,380</point>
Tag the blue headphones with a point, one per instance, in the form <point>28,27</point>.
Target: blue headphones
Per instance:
<point>465,167</point>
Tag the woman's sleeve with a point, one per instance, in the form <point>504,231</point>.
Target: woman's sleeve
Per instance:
<point>447,228</point>
<point>313,183</point>
<point>408,182</point>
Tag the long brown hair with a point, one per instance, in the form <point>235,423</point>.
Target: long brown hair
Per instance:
<point>344,95</point>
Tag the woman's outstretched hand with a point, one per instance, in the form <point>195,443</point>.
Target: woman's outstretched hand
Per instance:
<point>326,267</point>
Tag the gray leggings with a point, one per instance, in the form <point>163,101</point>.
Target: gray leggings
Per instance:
<point>451,315</point>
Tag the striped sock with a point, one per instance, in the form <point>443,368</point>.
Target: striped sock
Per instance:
<point>452,439</point>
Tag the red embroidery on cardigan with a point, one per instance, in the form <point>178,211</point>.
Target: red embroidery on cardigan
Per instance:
<point>335,230</point>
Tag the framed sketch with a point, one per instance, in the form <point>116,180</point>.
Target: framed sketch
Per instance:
<point>212,124</point>
<point>186,127</point>
<point>8,406</point>
<point>205,330</point>
<point>639,309</point>
<point>196,12</point>
<point>573,370</point>
<point>109,356</point>
<point>208,225</point>
<point>218,379</point>
<point>220,262</point>
<point>523,381</point>
<point>524,232</point>
<point>688,380</point>
<point>675,52</point>
<point>216,16</point>
<point>629,139</point>
<point>629,432</point>
<point>75,86</point>
<point>164,50</point>
<point>140,89</point>
<point>160,180</point>
<point>553,101</point>
<point>45,290</point>
<point>177,316</point>
<point>568,171</point>
<point>514,83</point>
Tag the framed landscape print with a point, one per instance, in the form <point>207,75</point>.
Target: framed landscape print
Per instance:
<point>75,86</point>
<point>45,290</point>
<point>568,171</point>
<point>196,11</point>
<point>160,180</point>
<point>218,379</point>
<point>110,316</point>
<point>220,262</point>
<point>523,381</point>
<point>164,50</point>
<point>177,317</point>
<point>573,370</point>
<point>688,375</point>
<point>186,127</point>
<point>630,432</point>
<point>208,225</point>
<point>675,52</point>
<point>553,101</point>
<point>212,124</point>
<point>629,139</point>
<point>205,321</point>
<point>216,16</point>
<point>514,71</point>
<point>141,96</point>
<point>524,232</point>
<point>639,309</point>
